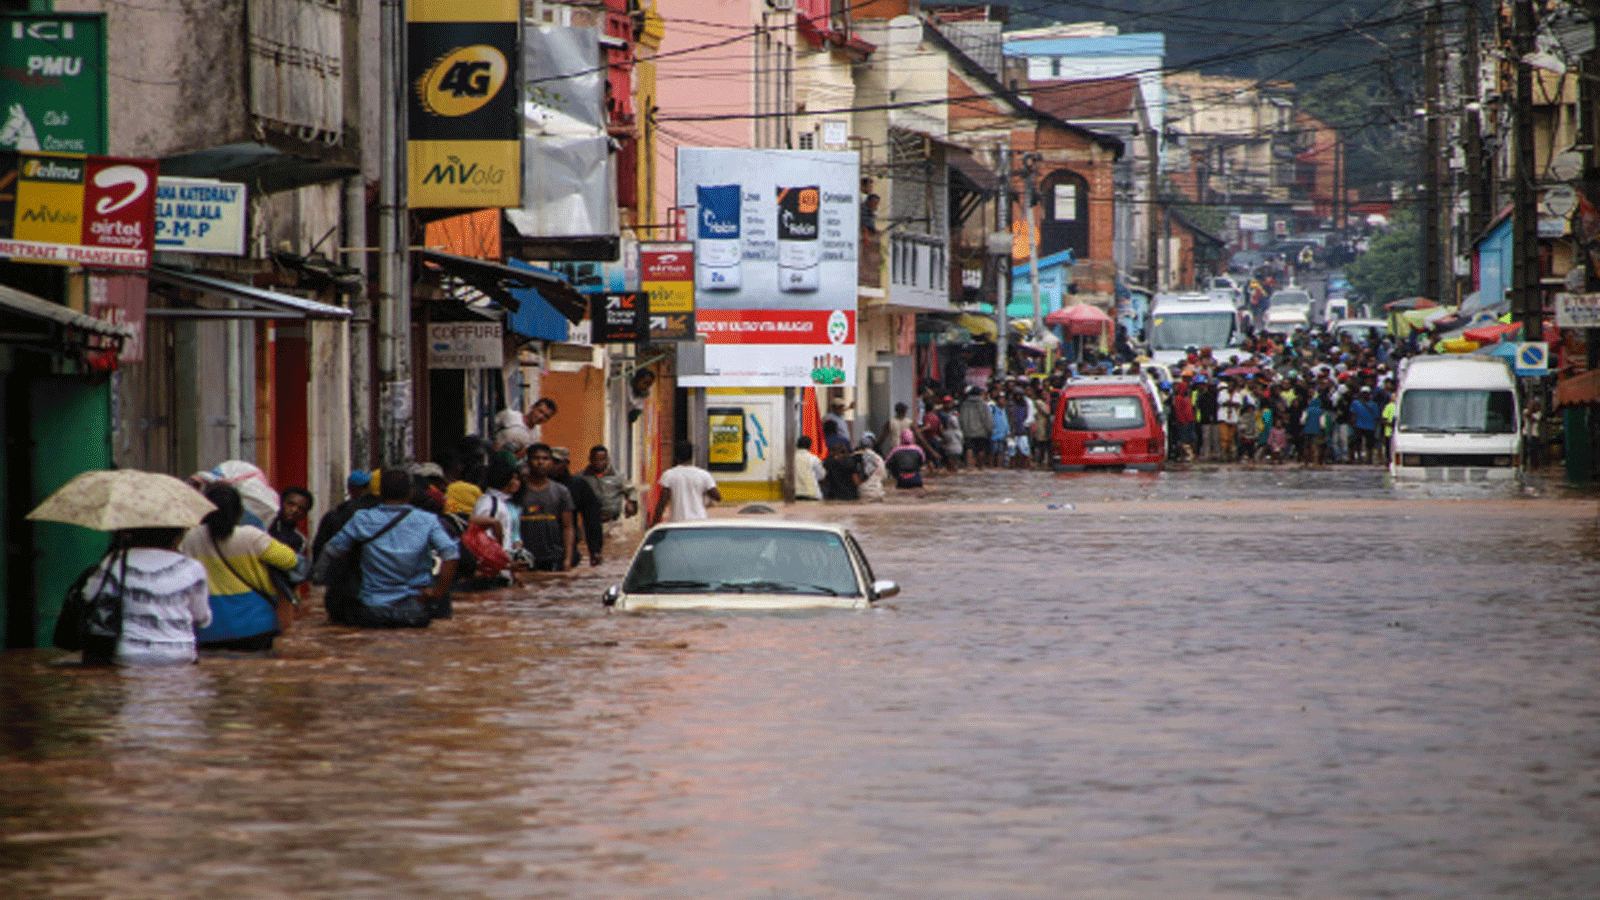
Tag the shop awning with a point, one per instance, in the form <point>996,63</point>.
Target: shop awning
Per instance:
<point>270,304</point>
<point>498,281</point>
<point>38,308</point>
<point>1579,390</point>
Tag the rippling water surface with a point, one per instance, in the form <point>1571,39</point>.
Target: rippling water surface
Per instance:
<point>1209,683</point>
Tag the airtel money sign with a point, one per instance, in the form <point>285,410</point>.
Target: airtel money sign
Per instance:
<point>94,211</point>
<point>464,147</point>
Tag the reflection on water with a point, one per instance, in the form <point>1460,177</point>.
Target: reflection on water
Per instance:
<point>1217,683</point>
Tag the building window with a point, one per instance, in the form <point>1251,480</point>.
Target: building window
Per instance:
<point>1066,203</point>
<point>1055,66</point>
<point>808,140</point>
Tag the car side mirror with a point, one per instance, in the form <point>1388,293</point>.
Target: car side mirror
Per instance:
<point>609,598</point>
<point>884,588</point>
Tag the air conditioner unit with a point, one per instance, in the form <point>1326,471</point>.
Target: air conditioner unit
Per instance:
<point>781,5</point>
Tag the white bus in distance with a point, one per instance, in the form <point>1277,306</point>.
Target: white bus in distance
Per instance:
<point>1456,419</point>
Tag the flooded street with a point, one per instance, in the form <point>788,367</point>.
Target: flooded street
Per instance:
<point>1210,683</point>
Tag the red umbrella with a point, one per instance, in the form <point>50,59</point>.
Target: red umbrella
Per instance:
<point>1082,319</point>
<point>1488,334</point>
<point>1410,303</point>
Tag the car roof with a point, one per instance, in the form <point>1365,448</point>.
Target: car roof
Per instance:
<point>1361,323</point>
<point>756,524</point>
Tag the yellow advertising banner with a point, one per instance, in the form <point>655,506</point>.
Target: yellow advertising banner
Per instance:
<point>476,174</point>
<point>464,120</point>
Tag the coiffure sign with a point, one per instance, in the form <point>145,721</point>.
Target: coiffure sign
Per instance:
<point>95,211</point>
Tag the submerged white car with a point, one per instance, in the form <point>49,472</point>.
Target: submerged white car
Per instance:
<point>748,564</point>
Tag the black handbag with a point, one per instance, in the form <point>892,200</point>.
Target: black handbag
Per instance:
<point>342,596</point>
<point>93,624</point>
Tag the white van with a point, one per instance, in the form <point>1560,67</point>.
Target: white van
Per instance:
<point>1456,419</point>
<point>1181,321</point>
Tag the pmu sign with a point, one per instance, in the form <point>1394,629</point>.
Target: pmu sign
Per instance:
<point>53,83</point>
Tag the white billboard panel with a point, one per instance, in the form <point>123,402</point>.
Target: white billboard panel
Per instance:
<point>775,235</point>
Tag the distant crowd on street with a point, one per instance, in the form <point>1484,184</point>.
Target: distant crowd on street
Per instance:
<point>1312,397</point>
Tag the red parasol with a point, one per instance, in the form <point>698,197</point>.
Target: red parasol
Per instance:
<point>1082,320</point>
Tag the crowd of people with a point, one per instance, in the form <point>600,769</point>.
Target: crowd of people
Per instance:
<point>1314,397</point>
<point>391,554</point>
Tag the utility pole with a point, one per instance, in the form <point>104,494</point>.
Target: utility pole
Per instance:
<point>1525,303</point>
<point>1002,298</point>
<point>1029,174</point>
<point>1153,201</point>
<point>1477,185</point>
<point>355,205</point>
<point>1432,250</point>
<point>395,435</point>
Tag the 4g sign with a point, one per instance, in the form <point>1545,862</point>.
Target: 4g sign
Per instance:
<point>463,111</point>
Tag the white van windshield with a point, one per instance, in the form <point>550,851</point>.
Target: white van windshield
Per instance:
<point>1179,331</point>
<point>1477,412</point>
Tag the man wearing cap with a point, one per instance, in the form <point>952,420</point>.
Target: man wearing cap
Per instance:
<point>587,518</point>
<point>976,423</point>
<point>1364,412</point>
<point>359,489</point>
<point>836,414</point>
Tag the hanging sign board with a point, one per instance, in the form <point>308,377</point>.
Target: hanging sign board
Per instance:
<point>1578,310</point>
<point>95,211</point>
<point>620,318</point>
<point>666,273</point>
<point>464,345</point>
<point>53,93</point>
<point>463,81</point>
<point>199,215</point>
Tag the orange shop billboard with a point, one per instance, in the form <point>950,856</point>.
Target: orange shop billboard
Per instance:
<point>95,211</point>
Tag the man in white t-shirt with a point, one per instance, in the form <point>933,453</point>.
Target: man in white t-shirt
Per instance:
<point>1228,406</point>
<point>684,488</point>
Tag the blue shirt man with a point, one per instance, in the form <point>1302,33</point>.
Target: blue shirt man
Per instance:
<point>397,565</point>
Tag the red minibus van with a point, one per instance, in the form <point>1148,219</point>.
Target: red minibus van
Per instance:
<point>1108,421</point>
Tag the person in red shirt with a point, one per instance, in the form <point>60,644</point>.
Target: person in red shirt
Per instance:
<point>1184,420</point>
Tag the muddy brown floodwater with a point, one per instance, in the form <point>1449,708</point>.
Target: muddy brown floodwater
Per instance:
<point>1205,684</point>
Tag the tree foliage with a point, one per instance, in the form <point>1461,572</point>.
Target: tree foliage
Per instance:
<point>1390,269</point>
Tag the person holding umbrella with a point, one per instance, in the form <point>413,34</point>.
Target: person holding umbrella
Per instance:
<point>164,595</point>
<point>151,598</point>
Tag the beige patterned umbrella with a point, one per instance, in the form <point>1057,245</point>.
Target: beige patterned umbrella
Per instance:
<point>114,499</point>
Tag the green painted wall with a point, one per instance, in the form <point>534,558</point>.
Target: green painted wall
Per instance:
<point>71,421</point>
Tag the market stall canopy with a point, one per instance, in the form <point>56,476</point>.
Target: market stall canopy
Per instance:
<point>1406,303</point>
<point>1488,334</point>
<point>117,499</point>
<point>979,326</point>
<point>1081,320</point>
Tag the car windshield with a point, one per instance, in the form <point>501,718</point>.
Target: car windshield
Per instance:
<point>1178,331</point>
<point>1291,298</point>
<point>1102,413</point>
<point>742,560</point>
<point>1482,412</point>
